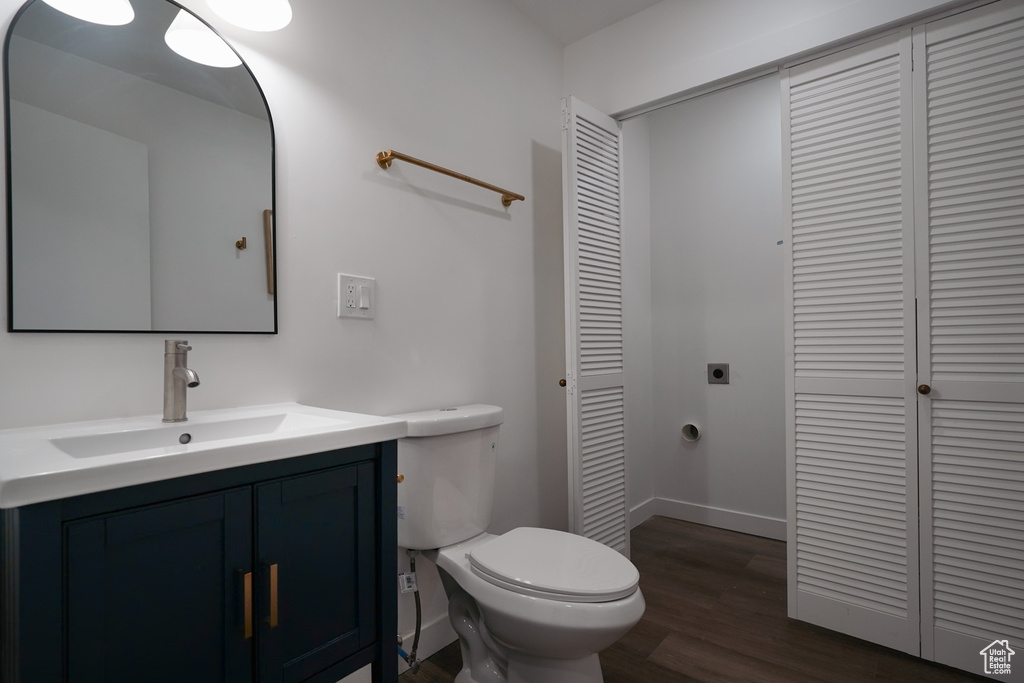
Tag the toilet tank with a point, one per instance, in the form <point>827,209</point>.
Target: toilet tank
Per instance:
<point>446,467</point>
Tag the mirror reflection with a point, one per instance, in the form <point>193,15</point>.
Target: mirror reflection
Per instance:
<point>134,175</point>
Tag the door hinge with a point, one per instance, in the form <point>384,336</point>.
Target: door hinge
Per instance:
<point>565,118</point>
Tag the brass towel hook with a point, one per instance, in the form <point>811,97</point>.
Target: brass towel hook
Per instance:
<point>240,244</point>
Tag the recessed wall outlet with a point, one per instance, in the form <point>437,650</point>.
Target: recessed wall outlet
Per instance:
<point>718,373</point>
<point>357,296</point>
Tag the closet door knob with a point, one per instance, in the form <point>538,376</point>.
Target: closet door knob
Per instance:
<point>561,382</point>
<point>924,389</point>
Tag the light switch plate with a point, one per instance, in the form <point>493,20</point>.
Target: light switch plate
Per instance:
<point>357,296</point>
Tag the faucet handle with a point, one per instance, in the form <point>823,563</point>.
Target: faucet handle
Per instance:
<point>184,347</point>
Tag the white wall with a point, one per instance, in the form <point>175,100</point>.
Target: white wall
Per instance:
<point>681,45</point>
<point>469,293</point>
<point>716,297</point>
<point>637,322</point>
<point>83,220</point>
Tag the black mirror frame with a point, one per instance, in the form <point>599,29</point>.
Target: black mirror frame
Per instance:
<point>272,275</point>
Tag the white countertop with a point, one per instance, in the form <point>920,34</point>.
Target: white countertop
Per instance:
<point>38,464</point>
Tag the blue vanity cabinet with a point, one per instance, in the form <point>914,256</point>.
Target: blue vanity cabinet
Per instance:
<point>161,590</point>
<point>314,546</point>
<point>154,582</point>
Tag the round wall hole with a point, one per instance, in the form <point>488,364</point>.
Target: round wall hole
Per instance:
<point>691,432</point>
<point>718,373</point>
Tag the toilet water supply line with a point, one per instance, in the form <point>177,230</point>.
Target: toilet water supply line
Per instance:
<point>410,658</point>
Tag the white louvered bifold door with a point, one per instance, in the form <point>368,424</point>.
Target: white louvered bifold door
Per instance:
<point>969,145</point>
<point>852,431</point>
<point>593,294</point>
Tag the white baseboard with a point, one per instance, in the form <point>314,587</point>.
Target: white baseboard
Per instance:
<point>643,512</point>
<point>434,636</point>
<point>364,675</point>
<point>744,522</point>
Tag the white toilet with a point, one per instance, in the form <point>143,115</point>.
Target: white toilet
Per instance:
<point>530,605</point>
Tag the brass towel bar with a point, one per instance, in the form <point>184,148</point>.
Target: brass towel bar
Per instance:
<point>384,160</point>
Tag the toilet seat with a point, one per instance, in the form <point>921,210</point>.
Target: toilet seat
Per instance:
<point>554,565</point>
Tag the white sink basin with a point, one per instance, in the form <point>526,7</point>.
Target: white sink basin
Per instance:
<point>192,433</point>
<point>48,463</point>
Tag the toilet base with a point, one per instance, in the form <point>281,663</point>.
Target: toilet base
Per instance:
<point>525,669</point>
<point>498,628</point>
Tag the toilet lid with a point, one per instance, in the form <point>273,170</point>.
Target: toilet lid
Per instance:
<point>555,565</point>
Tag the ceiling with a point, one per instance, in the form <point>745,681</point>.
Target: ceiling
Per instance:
<point>139,49</point>
<point>569,20</point>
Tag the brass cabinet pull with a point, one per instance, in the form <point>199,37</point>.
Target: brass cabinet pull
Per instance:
<point>924,389</point>
<point>247,616</point>
<point>272,619</point>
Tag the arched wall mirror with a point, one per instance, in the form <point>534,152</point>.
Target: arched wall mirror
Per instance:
<point>133,176</point>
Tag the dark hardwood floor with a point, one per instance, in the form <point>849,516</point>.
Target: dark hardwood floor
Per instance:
<point>716,613</point>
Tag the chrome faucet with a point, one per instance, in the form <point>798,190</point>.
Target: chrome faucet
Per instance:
<point>177,377</point>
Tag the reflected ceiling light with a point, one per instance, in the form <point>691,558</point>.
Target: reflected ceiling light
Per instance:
<point>255,15</point>
<point>192,39</point>
<point>106,12</point>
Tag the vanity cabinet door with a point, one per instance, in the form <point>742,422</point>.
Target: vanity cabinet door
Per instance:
<point>316,563</point>
<point>158,593</point>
